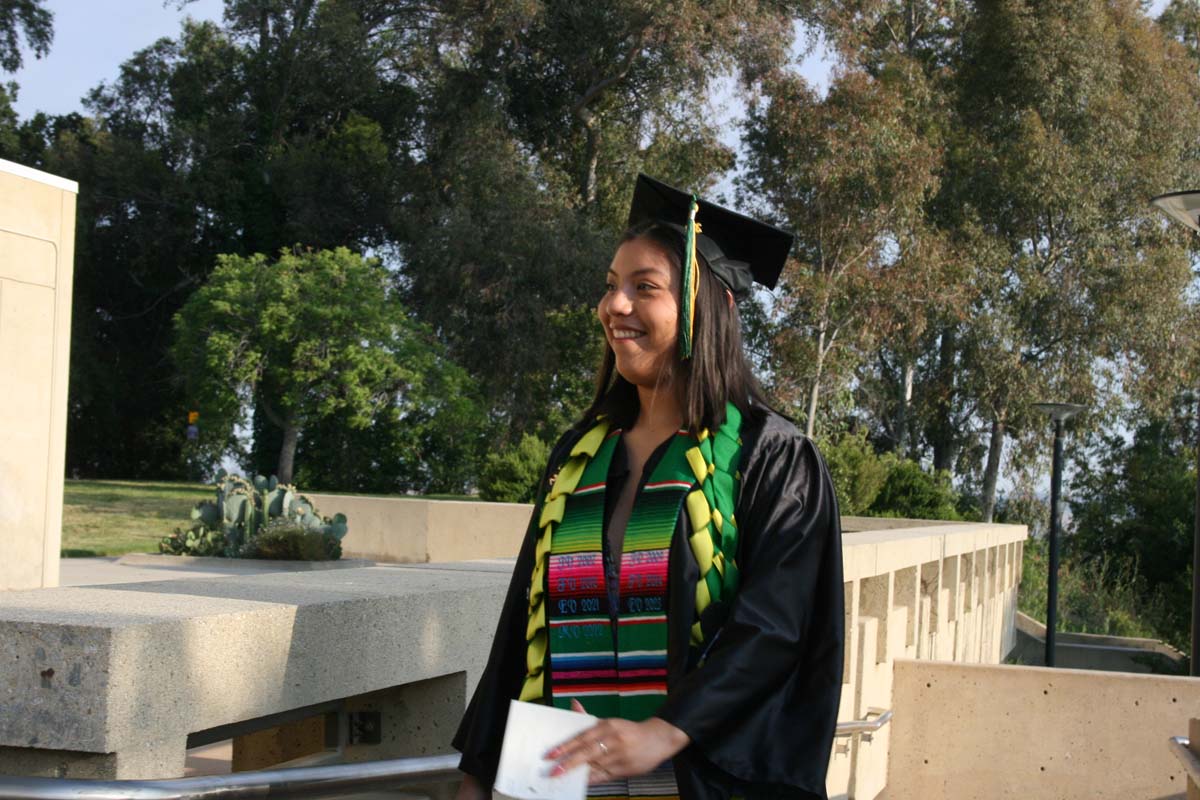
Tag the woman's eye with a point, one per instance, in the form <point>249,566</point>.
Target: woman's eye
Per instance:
<point>646,287</point>
<point>609,288</point>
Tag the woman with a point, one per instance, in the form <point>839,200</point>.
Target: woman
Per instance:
<point>681,578</point>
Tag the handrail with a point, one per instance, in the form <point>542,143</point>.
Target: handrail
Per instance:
<point>866,725</point>
<point>307,782</point>
<point>1181,746</point>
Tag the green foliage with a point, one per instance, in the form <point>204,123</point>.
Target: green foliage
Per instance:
<point>286,540</point>
<point>858,472</point>
<point>1105,596</point>
<point>512,475</point>
<point>1135,506</point>
<point>1023,506</point>
<point>312,336</point>
<point>912,493</point>
<point>231,524</point>
<point>30,17</point>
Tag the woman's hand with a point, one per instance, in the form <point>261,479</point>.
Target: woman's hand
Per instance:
<point>618,748</point>
<point>471,789</point>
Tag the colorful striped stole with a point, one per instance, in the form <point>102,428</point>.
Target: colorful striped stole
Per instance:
<point>619,673</point>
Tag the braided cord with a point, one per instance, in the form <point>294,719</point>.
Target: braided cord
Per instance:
<point>714,538</point>
<point>553,507</point>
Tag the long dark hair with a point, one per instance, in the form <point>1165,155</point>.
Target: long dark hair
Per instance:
<point>716,373</point>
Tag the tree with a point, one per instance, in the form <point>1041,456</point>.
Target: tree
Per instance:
<point>28,17</point>
<point>589,83</point>
<point>319,329</point>
<point>1070,115</point>
<point>229,139</point>
<point>535,118</point>
<point>1132,505</point>
<point>849,174</point>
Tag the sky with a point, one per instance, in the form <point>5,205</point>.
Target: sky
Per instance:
<point>91,40</point>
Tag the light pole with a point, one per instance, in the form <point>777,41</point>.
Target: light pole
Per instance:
<point>1184,208</point>
<point>1060,413</point>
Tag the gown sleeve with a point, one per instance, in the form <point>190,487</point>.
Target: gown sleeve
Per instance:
<point>481,731</point>
<point>762,706</point>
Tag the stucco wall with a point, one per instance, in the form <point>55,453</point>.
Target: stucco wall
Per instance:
<point>985,731</point>
<point>37,236</point>
<point>407,531</point>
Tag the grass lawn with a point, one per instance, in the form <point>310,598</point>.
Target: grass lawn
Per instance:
<point>111,518</point>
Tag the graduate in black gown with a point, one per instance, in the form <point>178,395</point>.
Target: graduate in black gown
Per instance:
<point>752,670</point>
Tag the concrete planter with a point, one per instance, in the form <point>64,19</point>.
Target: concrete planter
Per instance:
<point>249,564</point>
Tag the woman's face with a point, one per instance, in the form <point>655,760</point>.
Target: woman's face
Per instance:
<point>640,311</point>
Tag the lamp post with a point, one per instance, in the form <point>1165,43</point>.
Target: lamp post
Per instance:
<point>1184,208</point>
<point>1060,413</point>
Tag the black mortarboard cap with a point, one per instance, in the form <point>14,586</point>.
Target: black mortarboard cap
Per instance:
<point>738,249</point>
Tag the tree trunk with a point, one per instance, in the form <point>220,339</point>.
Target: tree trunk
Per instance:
<point>810,424</point>
<point>902,414</point>
<point>944,438</point>
<point>587,188</point>
<point>287,453</point>
<point>991,472</point>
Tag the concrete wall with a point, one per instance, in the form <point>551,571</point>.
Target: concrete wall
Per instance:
<point>406,531</point>
<point>108,682</point>
<point>37,240</point>
<point>916,589</point>
<point>1093,651</point>
<point>983,731</point>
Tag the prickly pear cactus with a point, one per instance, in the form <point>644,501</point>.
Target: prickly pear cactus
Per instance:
<point>230,524</point>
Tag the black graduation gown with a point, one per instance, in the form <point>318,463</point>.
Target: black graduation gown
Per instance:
<point>762,708</point>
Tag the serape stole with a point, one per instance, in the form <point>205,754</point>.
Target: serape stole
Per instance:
<point>621,671</point>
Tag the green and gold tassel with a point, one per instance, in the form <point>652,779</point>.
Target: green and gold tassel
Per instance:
<point>691,282</point>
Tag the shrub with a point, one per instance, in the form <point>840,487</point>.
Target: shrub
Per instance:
<point>1103,596</point>
<point>512,476</point>
<point>284,540</point>
<point>912,493</point>
<point>858,472</point>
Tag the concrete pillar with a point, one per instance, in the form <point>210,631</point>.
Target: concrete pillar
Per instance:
<point>37,240</point>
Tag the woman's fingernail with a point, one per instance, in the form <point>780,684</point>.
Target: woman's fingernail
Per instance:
<point>558,770</point>
<point>551,753</point>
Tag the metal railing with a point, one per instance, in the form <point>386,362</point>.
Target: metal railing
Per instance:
<point>307,782</point>
<point>310,782</point>
<point>1181,746</point>
<point>868,725</point>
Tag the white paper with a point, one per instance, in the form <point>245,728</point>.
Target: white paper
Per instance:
<point>532,730</point>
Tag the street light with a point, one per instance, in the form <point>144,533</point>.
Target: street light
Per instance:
<point>1184,208</point>
<point>1060,413</point>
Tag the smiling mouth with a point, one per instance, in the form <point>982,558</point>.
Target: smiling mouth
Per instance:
<point>625,333</point>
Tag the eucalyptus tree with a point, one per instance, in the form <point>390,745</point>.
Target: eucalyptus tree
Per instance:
<point>1070,115</point>
<point>850,175</point>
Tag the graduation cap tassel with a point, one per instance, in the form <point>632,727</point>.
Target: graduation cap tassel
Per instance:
<point>691,282</point>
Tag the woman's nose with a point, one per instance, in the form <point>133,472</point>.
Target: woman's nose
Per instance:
<point>619,303</point>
